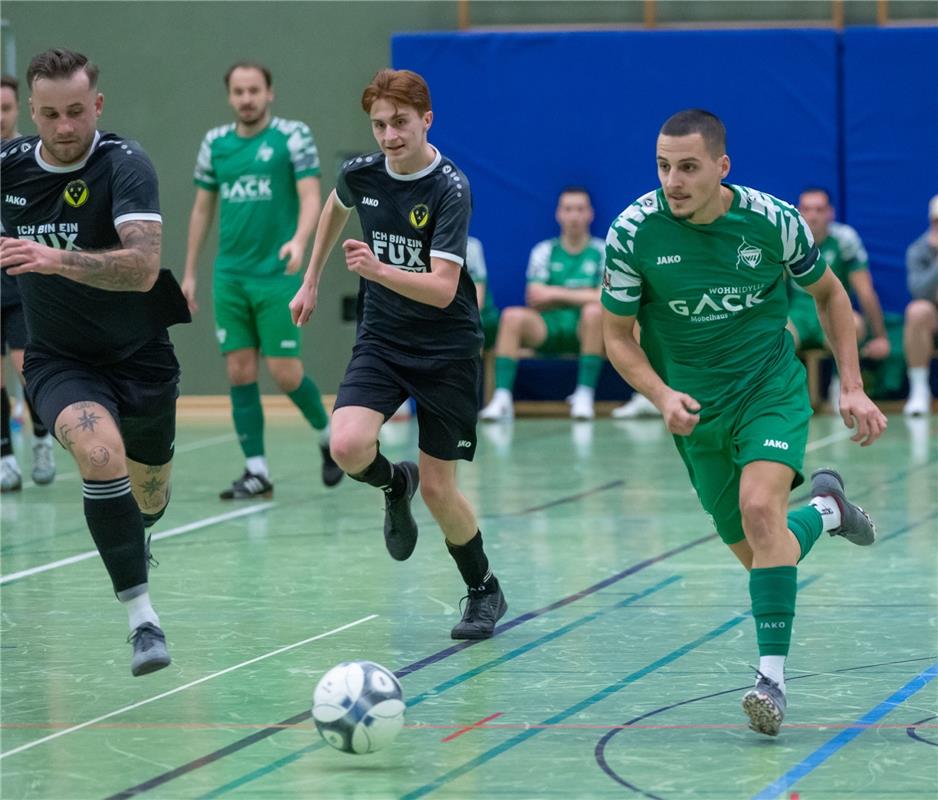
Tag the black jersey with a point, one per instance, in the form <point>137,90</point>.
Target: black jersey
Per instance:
<point>9,290</point>
<point>79,208</point>
<point>407,220</point>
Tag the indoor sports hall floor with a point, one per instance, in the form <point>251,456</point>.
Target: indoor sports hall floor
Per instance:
<point>617,671</point>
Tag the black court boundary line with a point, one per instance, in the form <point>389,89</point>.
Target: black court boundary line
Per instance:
<point>914,735</point>
<point>260,735</point>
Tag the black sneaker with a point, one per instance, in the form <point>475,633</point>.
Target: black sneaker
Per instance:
<point>855,524</point>
<point>400,527</point>
<point>331,472</point>
<point>765,706</point>
<point>247,487</point>
<point>150,653</point>
<point>483,610</point>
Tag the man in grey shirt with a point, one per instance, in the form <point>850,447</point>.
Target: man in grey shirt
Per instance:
<point>921,315</point>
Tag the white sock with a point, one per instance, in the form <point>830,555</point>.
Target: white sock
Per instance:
<point>585,391</point>
<point>47,439</point>
<point>773,667</point>
<point>829,510</point>
<point>140,611</point>
<point>11,460</point>
<point>257,465</point>
<point>324,435</point>
<point>918,379</point>
<point>503,396</point>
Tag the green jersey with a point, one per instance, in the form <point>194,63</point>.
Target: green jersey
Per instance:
<point>550,264</point>
<point>843,252</point>
<point>712,296</point>
<point>256,179</point>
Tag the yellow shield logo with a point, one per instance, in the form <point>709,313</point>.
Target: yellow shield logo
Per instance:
<point>76,193</point>
<point>419,216</point>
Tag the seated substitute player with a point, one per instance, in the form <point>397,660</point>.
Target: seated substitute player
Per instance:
<point>83,236</point>
<point>842,250</point>
<point>921,315</point>
<point>723,370</point>
<point>13,339</point>
<point>562,315</point>
<point>419,332</point>
<point>264,172</point>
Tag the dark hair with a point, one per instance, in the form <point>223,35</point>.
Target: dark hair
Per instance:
<point>9,82</point>
<point>696,120</point>
<point>59,63</point>
<point>576,190</point>
<point>816,189</point>
<point>265,71</point>
<point>401,86</point>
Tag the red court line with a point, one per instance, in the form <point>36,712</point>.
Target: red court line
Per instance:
<point>468,728</point>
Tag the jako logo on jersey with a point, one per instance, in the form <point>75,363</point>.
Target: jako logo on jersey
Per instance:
<point>14,200</point>
<point>463,443</point>
<point>419,216</point>
<point>668,260</point>
<point>247,189</point>
<point>369,201</point>
<point>777,443</point>
<point>76,193</point>
<point>748,254</point>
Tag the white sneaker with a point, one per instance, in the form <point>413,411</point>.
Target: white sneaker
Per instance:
<point>43,461</point>
<point>11,479</point>
<point>581,406</point>
<point>638,406</point>
<point>919,403</point>
<point>501,407</point>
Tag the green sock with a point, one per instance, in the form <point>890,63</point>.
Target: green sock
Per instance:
<point>307,399</point>
<point>505,370</point>
<point>588,372</point>
<point>773,591</point>
<point>807,525</point>
<point>248,415</point>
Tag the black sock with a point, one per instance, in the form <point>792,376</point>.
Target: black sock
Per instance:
<point>473,564</point>
<point>6,441</point>
<point>39,428</point>
<point>117,529</point>
<point>382,474</point>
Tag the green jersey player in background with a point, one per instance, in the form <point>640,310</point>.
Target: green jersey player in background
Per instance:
<point>703,265</point>
<point>265,171</point>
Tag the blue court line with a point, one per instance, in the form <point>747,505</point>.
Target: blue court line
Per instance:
<point>829,748</point>
<point>449,684</point>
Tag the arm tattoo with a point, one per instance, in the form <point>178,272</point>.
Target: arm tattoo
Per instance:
<point>131,268</point>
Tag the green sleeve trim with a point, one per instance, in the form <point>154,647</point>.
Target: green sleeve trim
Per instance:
<point>312,172</point>
<point>619,308</point>
<point>211,187</point>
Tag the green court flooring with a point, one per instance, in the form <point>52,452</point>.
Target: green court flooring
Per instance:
<point>617,671</point>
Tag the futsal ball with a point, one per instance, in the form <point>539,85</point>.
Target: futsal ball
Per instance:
<point>358,707</point>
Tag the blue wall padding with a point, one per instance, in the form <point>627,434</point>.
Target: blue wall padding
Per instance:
<point>890,145</point>
<point>524,114</point>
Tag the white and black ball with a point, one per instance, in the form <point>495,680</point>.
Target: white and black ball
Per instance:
<point>358,707</point>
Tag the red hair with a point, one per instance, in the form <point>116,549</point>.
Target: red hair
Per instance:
<point>401,86</point>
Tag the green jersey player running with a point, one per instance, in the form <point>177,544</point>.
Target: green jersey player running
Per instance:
<point>703,265</point>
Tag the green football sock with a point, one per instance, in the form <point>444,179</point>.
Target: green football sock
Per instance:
<point>505,370</point>
<point>588,372</point>
<point>307,399</point>
<point>807,525</point>
<point>772,591</point>
<point>248,415</point>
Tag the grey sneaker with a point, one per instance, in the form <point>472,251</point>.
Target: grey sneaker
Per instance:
<point>765,706</point>
<point>11,479</point>
<point>43,461</point>
<point>855,524</point>
<point>331,472</point>
<point>400,527</point>
<point>150,653</point>
<point>483,610</point>
<point>247,487</point>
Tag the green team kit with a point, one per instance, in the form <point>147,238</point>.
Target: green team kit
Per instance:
<point>713,301</point>
<point>844,253</point>
<point>551,265</point>
<point>255,178</point>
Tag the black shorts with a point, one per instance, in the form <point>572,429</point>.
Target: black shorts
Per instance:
<point>446,391</point>
<point>12,329</point>
<point>139,392</point>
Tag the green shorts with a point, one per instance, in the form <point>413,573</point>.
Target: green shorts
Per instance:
<point>807,325</point>
<point>255,313</point>
<point>490,315</point>
<point>562,338</point>
<point>770,423</point>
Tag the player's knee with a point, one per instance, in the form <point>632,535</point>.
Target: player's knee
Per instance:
<point>920,314</point>
<point>100,460</point>
<point>513,317</point>
<point>592,314</point>
<point>350,452</point>
<point>759,515</point>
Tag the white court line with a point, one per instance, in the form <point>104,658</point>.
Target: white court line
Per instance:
<point>132,706</point>
<point>846,433</point>
<point>186,448</point>
<point>192,526</point>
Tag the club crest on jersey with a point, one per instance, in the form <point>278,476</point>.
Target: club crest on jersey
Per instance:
<point>748,255</point>
<point>76,193</point>
<point>419,216</point>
